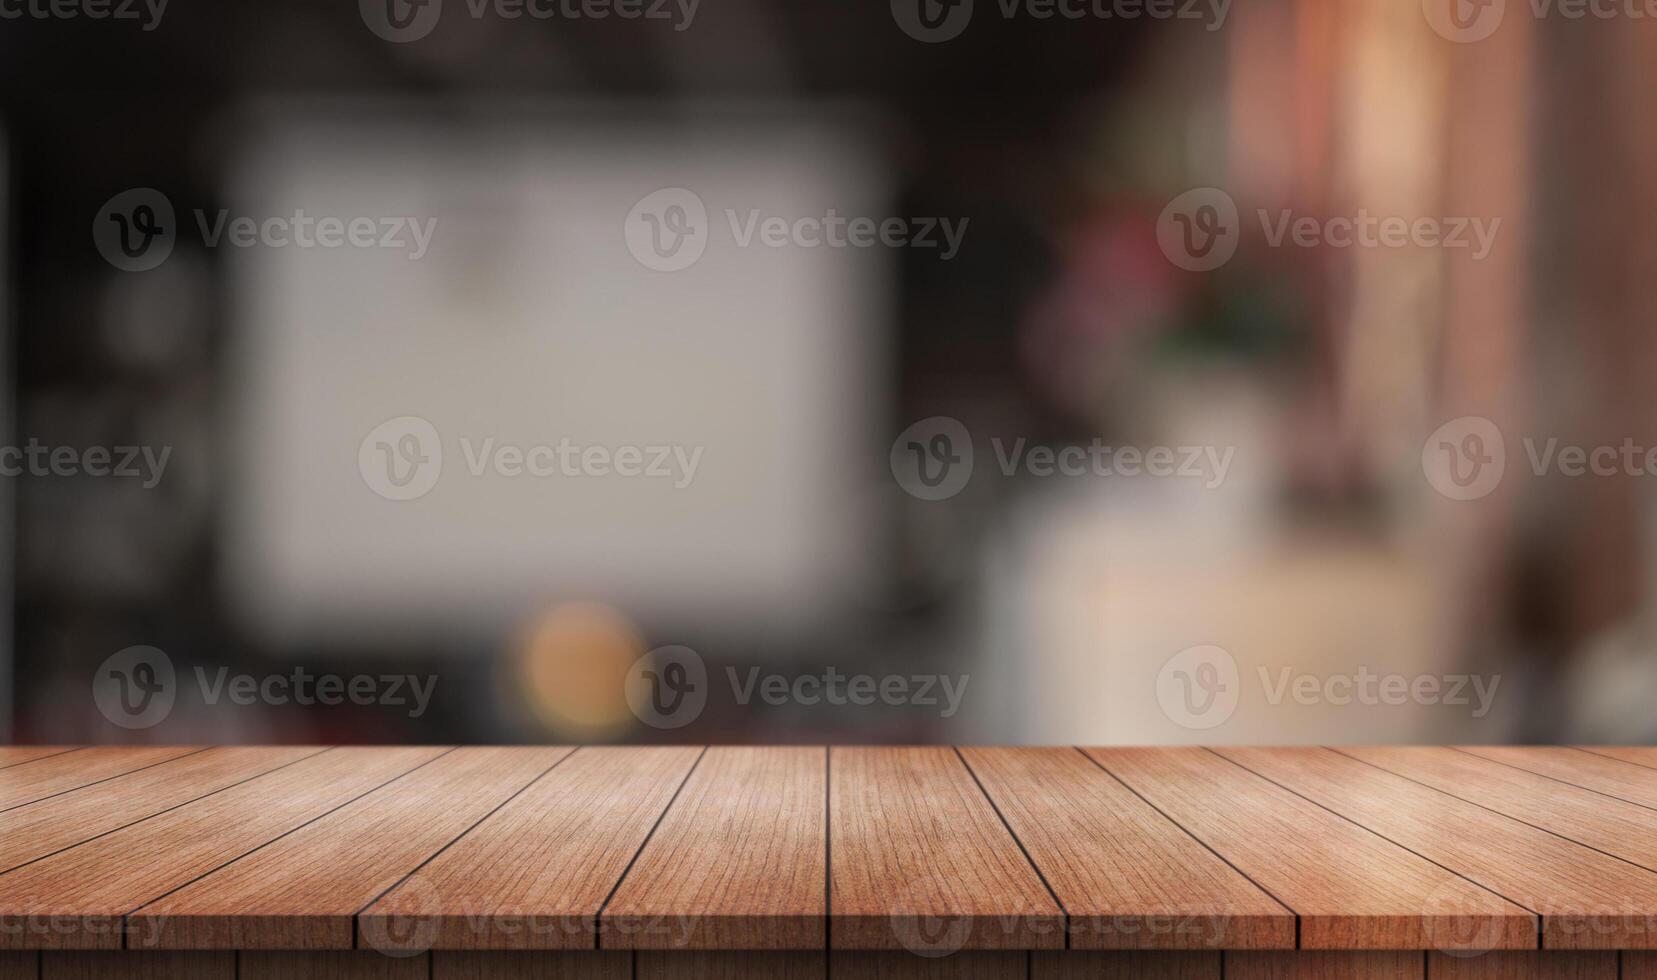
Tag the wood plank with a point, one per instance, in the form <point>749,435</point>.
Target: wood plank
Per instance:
<point>56,774</point>
<point>1351,888</point>
<point>75,899</point>
<point>352,965</point>
<point>38,829</point>
<point>904,966</point>
<point>1585,897</point>
<point>766,965</point>
<point>304,891</point>
<point>1639,966</point>
<point>1127,876</point>
<point>138,966</point>
<point>1326,965</point>
<point>1125,966</point>
<point>920,860</point>
<point>1637,755</point>
<point>1610,825</point>
<point>16,755</point>
<point>1602,774</point>
<point>1538,965</point>
<point>530,965</point>
<point>739,862</point>
<point>535,873</point>
<point>19,966</point>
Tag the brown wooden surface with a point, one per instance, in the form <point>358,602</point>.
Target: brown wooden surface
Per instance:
<point>1614,826</point>
<point>1351,888</point>
<point>1125,966</point>
<point>138,966</point>
<point>1127,876</point>
<point>54,774</point>
<point>709,965</point>
<point>920,859</point>
<point>738,863</point>
<point>15,755</point>
<point>1524,966</point>
<point>536,872</point>
<point>932,850</point>
<point>30,832</point>
<point>349,965</point>
<point>75,899</point>
<point>303,891</point>
<point>1326,965</point>
<point>1582,894</point>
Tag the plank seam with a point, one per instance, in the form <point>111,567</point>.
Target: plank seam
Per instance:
<point>355,925</point>
<point>828,856</point>
<point>43,758</point>
<point>1389,840</point>
<point>170,809</point>
<point>1589,749</point>
<point>1566,782</point>
<point>598,917</point>
<point>1202,843</point>
<point>291,830</point>
<point>1064,913</point>
<point>95,782</point>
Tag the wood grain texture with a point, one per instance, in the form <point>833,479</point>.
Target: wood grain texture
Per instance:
<point>138,966</point>
<point>75,899</point>
<point>1127,876</point>
<point>530,965</point>
<point>1611,825</point>
<point>1639,755</point>
<point>56,774</point>
<point>1539,965</point>
<point>38,829</point>
<point>921,861</point>
<point>304,890</point>
<point>1351,888</point>
<point>765,965</point>
<point>1125,966</point>
<point>535,874</point>
<point>739,862</point>
<point>351,965</point>
<point>19,966</point>
<point>904,966</point>
<point>1374,965</point>
<point>16,755</point>
<point>1639,966</point>
<point>1585,897</point>
<point>1602,774</point>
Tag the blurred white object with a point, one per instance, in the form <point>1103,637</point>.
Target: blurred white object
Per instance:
<point>529,323</point>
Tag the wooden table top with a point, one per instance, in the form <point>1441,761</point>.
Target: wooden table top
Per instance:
<point>923,849</point>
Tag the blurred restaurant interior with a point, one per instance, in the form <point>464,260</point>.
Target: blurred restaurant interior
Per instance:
<point>1051,145</point>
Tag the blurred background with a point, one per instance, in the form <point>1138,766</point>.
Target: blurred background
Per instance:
<point>334,446</point>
